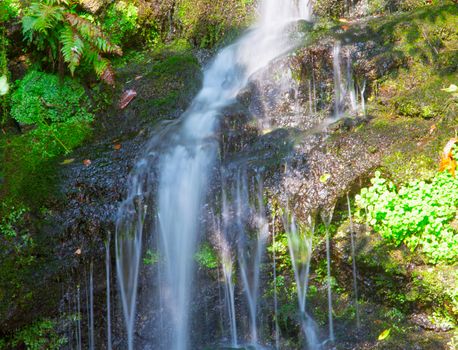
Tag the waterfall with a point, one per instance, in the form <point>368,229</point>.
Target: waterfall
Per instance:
<point>250,255</point>
<point>300,243</point>
<point>108,297</point>
<point>339,88</point>
<point>91,307</point>
<point>183,173</point>
<point>353,263</point>
<point>225,240</point>
<point>326,216</point>
<point>274,268</point>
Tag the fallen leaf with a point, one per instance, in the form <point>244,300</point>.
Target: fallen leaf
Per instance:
<point>68,161</point>
<point>87,162</point>
<point>126,98</point>
<point>451,88</point>
<point>345,27</point>
<point>138,77</point>
<point>385,334</point>
<point>117,146</point>
<point>78,251</point>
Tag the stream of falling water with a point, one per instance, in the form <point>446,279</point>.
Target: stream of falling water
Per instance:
<point>353,263</point>
<point>227,261</point>
<point>326,216</point>
<point>250,256</point>
<point>300,248</point>
<point>274,268</point>
<point>108,282</point>
<point>183,172</point>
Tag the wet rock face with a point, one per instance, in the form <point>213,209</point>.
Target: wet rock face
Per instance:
<point>93,184</point>
<point>280,128</point>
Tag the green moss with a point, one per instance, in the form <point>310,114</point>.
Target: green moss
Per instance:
<point>167,77</point>
<point>405,166</point>
<point>206,23</point>
<point>437,288</point>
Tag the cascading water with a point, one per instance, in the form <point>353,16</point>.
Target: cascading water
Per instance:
<point>353,262</point>
<point>224,242</point>
<point>326,216</point>
<point>345,88</point>
<point>108,281</point>
<point>250,256</point>
<point>274,275</point>
<point>183,173</point>
<point>339,88</point>
<point>300,249</point>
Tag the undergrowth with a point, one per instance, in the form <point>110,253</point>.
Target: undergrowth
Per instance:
<point>419,214</point>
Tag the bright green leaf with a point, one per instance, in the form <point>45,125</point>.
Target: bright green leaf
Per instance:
<point>325,177</point>
<point>385,334</point>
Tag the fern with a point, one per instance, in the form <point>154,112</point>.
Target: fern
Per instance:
<point>40,18</point>
<point>93,34</point>
<point>72,47</point>
<point>50,24</point>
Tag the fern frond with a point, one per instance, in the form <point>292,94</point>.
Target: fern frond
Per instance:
<point>93,34</point>
<point>108,75</point>
<point>102,66</point>
<point>41,18</point>
<point>72,47</point>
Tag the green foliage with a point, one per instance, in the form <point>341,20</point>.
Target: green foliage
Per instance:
<point>455,152</point>
<point>121,21</point>
<point>206,23</point>
<point>9,9</point>
<point>56,29</point>
<point>59,111</point>
<point>40,335</point>
<point>59,119</point>
<point>151,258</point>
<point>417,214</point>
<point>4,73</point>
<point>280,247</point>
<point>206,257</point>
<point>11,216</point>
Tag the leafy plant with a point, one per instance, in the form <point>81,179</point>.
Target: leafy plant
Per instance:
<point>4,73</point>
<point>121,20</point>
<point>206,257</point>
<point>40,335</point>
<point>10,219</point>
<point>418,214</point>
<point>151,257</point>
<point>9,9</point>
<point>55,27</point>
<point>59,111</point>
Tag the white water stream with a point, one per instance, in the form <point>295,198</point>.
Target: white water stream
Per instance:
<point>184,171</point>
